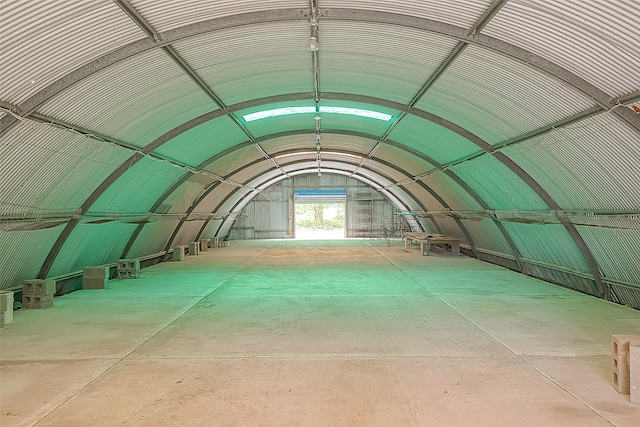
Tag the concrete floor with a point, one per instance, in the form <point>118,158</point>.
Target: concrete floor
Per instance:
<point>326,333</point>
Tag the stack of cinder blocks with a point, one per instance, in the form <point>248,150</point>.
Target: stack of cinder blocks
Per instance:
<point>129,268</point>
<point>214,242</point>
<point>194,248</point>
<point>38,293</point>
<point>178,253</point>
<point>223,244</point>
<point>625,359</point>
<point>204,245</point>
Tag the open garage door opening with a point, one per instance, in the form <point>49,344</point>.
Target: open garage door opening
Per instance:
<point>319,214</point>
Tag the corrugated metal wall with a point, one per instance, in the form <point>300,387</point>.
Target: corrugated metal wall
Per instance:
<point>53,37</point>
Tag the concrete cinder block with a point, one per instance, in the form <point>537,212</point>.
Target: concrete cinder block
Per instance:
<point>214,242</point>
<point>6,307</point>
<point>129,264</point>
<point>37,301</point>
<point>128,274</point>
<point>128,268</point>
<point>224,244</point>
<point>39,287</point>
<point>634,374</point>
<point>95,277</point>
<point>193,248</point>
<point>620,345</point>
<point>204,244</point>
<point>178,253</point>
<point>4,299</point>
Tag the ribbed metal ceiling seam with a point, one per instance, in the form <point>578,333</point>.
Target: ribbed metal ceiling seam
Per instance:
<point>589,165</point>
<point>412,164</point>
<point>202,142</point>
<point>138,188</point>
<point>384,53</point>
<point>455,196</point>
<point>92,244</point>
<point>596,40</point>
<point>441,144</point>
<point>549,243</point>
<point>455,12</point>
<point>22,258</point>
<point>485,235</point>
<point>234,160</point>
<point>420,193</point>
<point>392,174</point>
<point>450,227</point>
<point>43,168</point>
<point>216,196</point>
<point>212,228</point>
<point>270,64</point>
<point>171,14</point>
<point>607,244</point>
<point>188,232</point>
<point>42,41</point>
<point>135,100</point>
<point>498,98</point>
<point>153,237</point>
<point>182,198</point>
<point>498,186</point>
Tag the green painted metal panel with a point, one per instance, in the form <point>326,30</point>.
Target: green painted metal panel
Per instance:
<point>23,252</point>
<point>485,235</point>
<point>548,243</point>
<point>202,142</point>
<point>593,164</point>
<point>439,143</point>
<point>91,245</point>
<point>498,185</point>
<point>138,188</point>
<point>153,237</point>
<point>616,251</point>
<point>452,193</point>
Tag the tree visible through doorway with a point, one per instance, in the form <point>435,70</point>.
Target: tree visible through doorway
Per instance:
<point>319,220</point>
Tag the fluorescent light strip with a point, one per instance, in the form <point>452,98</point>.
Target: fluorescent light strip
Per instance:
<point>356,112</point>
<point>331,110</point>
<point>310,153</point>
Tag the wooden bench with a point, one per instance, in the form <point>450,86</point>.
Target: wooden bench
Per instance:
<point>427,239</point>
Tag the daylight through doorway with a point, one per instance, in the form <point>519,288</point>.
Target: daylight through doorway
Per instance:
<point>319,221</point>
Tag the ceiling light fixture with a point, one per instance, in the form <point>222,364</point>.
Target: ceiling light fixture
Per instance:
<point>313,45</point>
<point>323,109</point>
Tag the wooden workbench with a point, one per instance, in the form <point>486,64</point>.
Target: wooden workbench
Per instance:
<point>428,239</point>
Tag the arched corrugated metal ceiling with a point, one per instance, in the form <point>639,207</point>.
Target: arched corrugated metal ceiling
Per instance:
<point>514,124</point>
